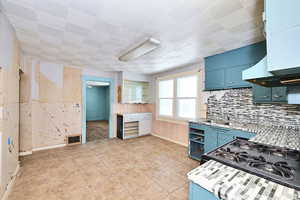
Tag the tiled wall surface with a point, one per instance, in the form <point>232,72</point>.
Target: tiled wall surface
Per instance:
<point>237,104</point>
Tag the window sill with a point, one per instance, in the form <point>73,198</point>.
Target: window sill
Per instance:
<point>175,121</point>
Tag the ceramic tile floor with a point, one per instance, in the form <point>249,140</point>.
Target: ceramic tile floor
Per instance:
<point>146,168</point>
<point>96,130</point>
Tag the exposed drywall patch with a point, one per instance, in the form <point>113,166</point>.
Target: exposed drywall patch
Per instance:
<point>35,80</point>
<point>53,121</point>
<point>49,92</point>
<point>53,72</point>
<point>6,42</point>
<point>9,124</point>
<point>72,85</point>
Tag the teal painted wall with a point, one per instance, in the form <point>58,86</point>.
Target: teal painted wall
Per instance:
<point>97,103</point>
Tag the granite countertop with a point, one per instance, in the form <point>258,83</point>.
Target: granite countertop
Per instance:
<point>254,128</point>
<point>232,184</point>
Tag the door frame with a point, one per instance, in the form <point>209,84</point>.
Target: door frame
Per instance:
<point>111,82</point>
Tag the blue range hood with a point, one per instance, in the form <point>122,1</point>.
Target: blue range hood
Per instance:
<point>257,71</point>
<point>259,74</point>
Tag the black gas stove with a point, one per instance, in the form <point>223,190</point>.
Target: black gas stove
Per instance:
<point>280,165</point>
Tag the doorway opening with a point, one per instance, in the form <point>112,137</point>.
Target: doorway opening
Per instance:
<point>97,98</point>
<point>97,110</point>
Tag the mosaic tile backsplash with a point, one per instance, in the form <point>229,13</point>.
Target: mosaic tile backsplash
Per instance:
<point>236,105</point>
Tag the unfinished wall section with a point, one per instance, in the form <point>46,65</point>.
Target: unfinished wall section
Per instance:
<point>9,103</point>
<point>51,104</point>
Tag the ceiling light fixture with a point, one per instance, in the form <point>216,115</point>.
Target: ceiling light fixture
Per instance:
<point>97,83</point>
<point>142,49</point>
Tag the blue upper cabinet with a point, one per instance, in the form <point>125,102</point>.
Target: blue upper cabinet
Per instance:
<point>215,79</point>
<point>224,71</point>
<point>233,77</point>
<point>283,41</point>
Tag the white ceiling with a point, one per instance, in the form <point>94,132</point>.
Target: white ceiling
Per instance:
<point>95,33</point>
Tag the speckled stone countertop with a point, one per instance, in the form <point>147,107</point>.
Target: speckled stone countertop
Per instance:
<point>232,184</point>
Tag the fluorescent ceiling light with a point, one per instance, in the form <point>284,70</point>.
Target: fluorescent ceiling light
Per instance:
<point>96,83</point>
<point>142,49</point>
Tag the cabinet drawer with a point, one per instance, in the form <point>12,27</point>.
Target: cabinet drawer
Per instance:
<point>137,117</point>
<point>131,124</point>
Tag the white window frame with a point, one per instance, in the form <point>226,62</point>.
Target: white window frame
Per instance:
<point>175,77</point>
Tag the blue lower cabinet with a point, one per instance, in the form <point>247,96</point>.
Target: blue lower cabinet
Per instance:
<point>224,137</point>
<point>211,140</point>
<point>198,193</point>
<point>205,138</point>
<point>216,137</point>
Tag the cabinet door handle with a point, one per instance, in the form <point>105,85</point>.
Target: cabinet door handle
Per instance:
<point>231,82</point>
<point>277,96</point>
<point>263,96</point>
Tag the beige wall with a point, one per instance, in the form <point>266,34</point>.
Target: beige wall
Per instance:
<point>177,131</point>
<point>51,104</point>
<point>9,103</point>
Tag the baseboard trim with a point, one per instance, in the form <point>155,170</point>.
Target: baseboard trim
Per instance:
<point>49,147</point>
<point>25,153</point>
<point>11,183</point>
<point>168,139</point>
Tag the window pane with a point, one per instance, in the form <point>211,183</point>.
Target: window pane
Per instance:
<point>187,108</point>
<point>187,86</point>
<point>166,107</point>
<point>166,89</point>
<point>139,93</point>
